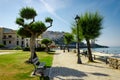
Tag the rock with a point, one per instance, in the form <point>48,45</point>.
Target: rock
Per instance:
<point>114,62</point>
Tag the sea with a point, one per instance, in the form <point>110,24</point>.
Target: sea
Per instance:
<point>110,50</point>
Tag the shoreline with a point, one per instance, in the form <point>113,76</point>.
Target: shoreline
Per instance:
<point>102,54</point>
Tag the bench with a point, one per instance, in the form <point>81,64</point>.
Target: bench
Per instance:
<point>84,53</point>
<point>102,58</point>
<point>39,67</point>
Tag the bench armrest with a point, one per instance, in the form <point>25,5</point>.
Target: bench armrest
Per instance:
<point>41,65</point>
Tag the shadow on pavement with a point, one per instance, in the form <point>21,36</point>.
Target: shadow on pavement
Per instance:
<point>93,65</point>
<point>100,74</point>
<point>67,73</point>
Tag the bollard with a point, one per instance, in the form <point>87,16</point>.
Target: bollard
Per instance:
<point>106,61</point>
<point>94,57</point>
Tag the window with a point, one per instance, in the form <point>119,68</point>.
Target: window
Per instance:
<point>9,42</point>
<point>17,42</point>
<point>22,42</point>
<point>4,42</point>
<point>4,36</point>
<point>9,36</point>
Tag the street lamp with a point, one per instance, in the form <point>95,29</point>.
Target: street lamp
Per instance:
<point>77,18</point>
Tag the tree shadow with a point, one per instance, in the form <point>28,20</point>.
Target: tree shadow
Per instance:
<point>57,53</point>
<point>100,74</point>
<point>93,65</point>
<point>60,72</point>
<point>51,53</point>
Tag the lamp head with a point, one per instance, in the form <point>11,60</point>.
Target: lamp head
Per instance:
<point>77,18</point>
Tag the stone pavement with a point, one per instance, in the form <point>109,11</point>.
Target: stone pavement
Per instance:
<point>5,53</point>
<point>65,67</point>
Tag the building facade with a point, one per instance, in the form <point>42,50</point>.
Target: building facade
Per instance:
<point>27,42</point>
<point>10,39</point>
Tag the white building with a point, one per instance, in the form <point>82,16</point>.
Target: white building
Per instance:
<point>10,39</point>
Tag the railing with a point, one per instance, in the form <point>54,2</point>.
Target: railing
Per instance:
<point>102,58</point>
<point>8,38</point>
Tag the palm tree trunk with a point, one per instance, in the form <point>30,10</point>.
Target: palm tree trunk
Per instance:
<point>89,51</point>
<point>68,48</point>
<point>64,48</point>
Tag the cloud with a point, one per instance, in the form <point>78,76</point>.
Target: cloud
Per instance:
<point>57,4</point>
<point>48,7</point>
<point>28,2</point>
<point>51,10</point>
<point>43,6</point>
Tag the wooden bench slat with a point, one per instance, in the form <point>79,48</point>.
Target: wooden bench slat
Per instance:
<point>35,59</point>
<point>36,62</point>
<point>39,66</point>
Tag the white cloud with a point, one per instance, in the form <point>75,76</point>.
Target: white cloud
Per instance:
<point>48,6</point>
<point>52,10</point>
<point>57,4</point>
<point>28,2</point>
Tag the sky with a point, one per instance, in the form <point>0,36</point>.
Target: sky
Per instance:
<point>63,13</point>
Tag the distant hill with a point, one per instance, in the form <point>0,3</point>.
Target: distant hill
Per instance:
<point>57,37</point>
<point>52,35</point>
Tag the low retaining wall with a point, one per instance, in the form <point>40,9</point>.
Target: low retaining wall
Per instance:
<point>114,62</point>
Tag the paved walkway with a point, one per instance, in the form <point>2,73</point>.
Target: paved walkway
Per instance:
<point>5,53</point>
<point>65,68</point>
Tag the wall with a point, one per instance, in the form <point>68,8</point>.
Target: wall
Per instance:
<point>114,62</point>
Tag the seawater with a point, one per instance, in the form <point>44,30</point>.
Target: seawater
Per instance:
<point>110,50</point>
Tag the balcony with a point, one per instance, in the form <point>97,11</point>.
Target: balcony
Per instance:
<point>6,39</point>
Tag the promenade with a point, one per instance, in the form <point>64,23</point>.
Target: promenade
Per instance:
<point>65,67</point>
<point>1,53</point>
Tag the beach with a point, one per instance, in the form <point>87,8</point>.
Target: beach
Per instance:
<point>65,67</point>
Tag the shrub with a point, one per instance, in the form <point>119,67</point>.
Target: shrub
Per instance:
<point>17,48</point>
<point>37,49</point>
<point>1,45</point>
<point>40,49</point>
<point>26,49</point>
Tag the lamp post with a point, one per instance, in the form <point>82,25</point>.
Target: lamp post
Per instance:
<point>77,18</point>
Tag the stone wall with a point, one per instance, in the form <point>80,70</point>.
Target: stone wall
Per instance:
<point>114,62</point>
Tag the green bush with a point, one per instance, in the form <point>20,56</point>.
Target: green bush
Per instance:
<point>40,49</point>
<point>1,45</point>
<point>18,48</point>
<point>26,49</point>
<point>37,49</point>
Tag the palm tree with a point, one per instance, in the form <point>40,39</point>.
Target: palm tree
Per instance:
<point>46,42</point>
<point>30,28</point>
<point>74,32</point>
<point>68,38</point>
<point>91,24</point>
